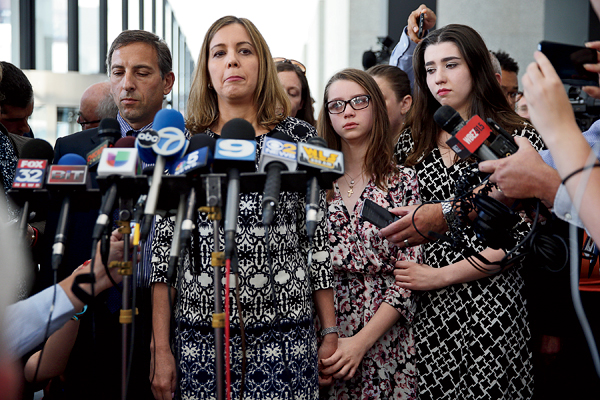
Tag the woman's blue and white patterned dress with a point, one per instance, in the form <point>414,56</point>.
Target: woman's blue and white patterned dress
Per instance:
<point>272,335</point>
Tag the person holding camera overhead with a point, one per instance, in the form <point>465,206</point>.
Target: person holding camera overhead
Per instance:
<point>470,328</point>
<point>236,78</point>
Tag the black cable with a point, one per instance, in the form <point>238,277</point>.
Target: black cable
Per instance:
<point>242,333</point>
<point>133,309</point>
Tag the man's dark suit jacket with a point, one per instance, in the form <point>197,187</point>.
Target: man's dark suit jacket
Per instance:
<point>79,143</point>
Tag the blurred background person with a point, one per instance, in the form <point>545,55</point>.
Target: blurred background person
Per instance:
<point>236,78</point>
<point>402,55</point>
<point>375,358</point>
<point>522,109</point>
<point>17,106</point>
<point>395,86</point>
<point>510,77</point>
<point>292,75</point>
<point>96,104</point>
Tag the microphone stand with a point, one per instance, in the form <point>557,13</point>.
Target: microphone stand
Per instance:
<point>126,312</point>
<point>128,190</point>
<point>212,186</point>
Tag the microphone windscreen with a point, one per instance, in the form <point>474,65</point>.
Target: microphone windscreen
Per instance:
<point>109,128</point>
<point>199,141</point>
<point>317,141</point>
<point>72,159</point>
<point>238,128</point>
<point>37,149</point>
<point>447,118</point>
<point>282,136</point>
<point>168,118</point>
<point>126,142</point>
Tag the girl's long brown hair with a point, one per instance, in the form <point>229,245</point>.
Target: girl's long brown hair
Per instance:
<point>380,151</point>
<point>487,98</point>
<point>272,102</point>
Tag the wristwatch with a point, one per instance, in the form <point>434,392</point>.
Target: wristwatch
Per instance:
<point>449,215</point>
<point>329,330</point>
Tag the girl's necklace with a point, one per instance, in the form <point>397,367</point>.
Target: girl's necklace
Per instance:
<point>351,183</point>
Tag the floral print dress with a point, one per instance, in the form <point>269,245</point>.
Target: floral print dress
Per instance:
<point>363,266</point>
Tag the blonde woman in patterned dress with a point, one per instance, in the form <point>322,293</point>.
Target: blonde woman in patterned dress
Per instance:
<point>375,358</point>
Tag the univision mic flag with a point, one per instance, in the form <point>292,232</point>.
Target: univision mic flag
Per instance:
<point>119,161</point>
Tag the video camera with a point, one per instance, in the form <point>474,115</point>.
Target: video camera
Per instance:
<point>585,107</point>
<point>371,58</point>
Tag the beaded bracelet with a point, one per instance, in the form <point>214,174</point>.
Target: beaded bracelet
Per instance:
<point>579,170</point>
<point>76,316</point>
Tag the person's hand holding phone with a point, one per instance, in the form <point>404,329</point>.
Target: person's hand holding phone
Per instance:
<point>593,91</point>
<point>549,106</point>
<point>428,22</point>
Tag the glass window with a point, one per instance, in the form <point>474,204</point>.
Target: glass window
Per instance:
<point>6,27</point>
<point>174,45</point>
<point>133,14</point>
<point>115,20</point>
<point>182,73</point>
<point>89,36</point>
<point>159,19</point>
<point>148,12</point>
<point>66,121</point>
<point>51,51</point>
<point>169,39</point>
<point>39,122</point>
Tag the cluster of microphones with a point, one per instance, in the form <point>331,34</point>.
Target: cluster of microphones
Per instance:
<point>284,165</point>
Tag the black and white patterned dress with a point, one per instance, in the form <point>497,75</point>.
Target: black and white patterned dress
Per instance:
<point>267,339</point>
<point>471,338</point>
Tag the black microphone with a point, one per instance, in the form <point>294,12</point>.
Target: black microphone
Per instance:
<point>71,173</point>
<point>109,131</point>
<point>278,153</point>
<point>197,161</point>
<point>37,149</point>
<point>27,187</point>
<point>468,137</point>
<point>235,152</point>
<point>119,161</point>
<point>165,142</point>
<point>323,166</point>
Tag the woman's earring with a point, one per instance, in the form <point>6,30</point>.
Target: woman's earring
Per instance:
<point>210,86</point>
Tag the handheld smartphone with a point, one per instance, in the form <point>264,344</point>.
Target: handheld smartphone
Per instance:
<point>377,215</point>
<point>421,21</point>
<point>568,62</point>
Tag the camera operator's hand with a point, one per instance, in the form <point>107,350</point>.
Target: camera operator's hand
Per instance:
<point>413,22</point>
<point>524,174</point>
<point>593,91</point>
<point>549,106</point>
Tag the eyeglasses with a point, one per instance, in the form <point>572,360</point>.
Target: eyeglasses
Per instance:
<point>357,103</point>
<point>514,95</point>
<point>84,123</point>
<point>298,64</point>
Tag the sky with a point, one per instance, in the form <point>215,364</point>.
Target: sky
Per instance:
<point>284,24</point>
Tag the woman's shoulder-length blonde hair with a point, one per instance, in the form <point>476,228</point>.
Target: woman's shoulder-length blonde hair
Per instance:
<point>273,105</point>
<point>380,147</point>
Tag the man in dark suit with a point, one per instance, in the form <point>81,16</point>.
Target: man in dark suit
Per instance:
<point>140,70</point>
